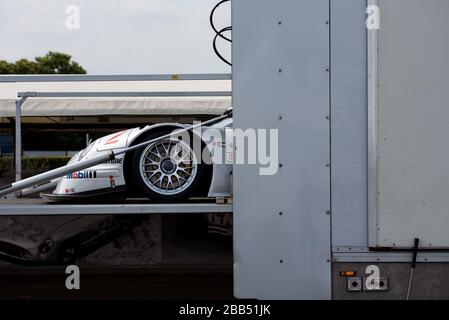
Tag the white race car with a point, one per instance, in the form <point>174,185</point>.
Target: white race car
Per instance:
<point>169,169</point>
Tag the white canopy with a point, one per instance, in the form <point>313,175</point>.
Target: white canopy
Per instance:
<point>176,105</point>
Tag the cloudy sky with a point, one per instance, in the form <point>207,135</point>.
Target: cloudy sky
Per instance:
<point>116,36</point>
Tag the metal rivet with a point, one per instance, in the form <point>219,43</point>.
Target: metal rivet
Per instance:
<point>328,260</point>
<point>328,212</point>
<point>280,213</point>
<point>279,22</point>
<point>281,261</point>
<point>327,22</point>
<point>327,69</point>
<point>280,70</point>
<point>327,117</point>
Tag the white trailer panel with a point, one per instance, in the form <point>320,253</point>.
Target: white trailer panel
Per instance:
<point>411,151</point>
<point>348,124</point>
<point>281,81</point>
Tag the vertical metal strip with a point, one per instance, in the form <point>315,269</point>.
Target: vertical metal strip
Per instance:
<point>329,213</point>
<point>18,133</point>
<point>372,51</point>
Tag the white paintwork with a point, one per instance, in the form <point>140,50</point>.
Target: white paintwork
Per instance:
<point>117,140</point>
<point>348,123</point>
<point>413,117</point>
<point>280,70</point>
<point>221,178</point>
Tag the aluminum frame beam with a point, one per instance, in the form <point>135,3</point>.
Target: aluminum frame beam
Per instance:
<point>125,77</point>
<point>27,208</point>
<point>115,94</point>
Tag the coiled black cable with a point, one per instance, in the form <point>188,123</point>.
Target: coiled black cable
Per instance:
<point>217,52</point>
<point>211,20</point>
<point>219,33</point>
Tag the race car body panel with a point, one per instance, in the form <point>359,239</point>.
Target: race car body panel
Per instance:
<point>111,176</point>
<point>114,141</point>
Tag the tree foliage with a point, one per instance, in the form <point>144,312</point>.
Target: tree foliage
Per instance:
<point>51,63</point>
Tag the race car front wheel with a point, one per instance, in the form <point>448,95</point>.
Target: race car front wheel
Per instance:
<point>168,170</point>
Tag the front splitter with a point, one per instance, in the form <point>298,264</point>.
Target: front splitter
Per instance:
<point>109,194</point>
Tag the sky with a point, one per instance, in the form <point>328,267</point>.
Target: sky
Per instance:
<point>117,36</point>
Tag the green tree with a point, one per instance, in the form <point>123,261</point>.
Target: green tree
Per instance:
<point>58,63</point>
<point>23,66</point>
<point>6,67</point>
<point>51,63</point>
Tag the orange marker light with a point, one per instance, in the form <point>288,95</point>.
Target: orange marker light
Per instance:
<point>347,273</point>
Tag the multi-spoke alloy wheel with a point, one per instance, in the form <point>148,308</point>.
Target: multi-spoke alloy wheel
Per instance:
<point>167,170</point>
<point>168,167</point>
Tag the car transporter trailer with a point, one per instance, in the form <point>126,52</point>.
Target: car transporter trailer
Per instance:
<point>358,207</point>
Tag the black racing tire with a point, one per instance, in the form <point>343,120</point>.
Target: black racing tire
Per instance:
<point>137,187</point>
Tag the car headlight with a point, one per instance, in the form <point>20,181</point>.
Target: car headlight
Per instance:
<point>47,246</point>
<point>83,153</point>
<point>79,155</point>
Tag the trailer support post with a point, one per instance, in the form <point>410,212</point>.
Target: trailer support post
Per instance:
<point>18,138</point>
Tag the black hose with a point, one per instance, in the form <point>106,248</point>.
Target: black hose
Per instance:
<point>412,270</point>
<point>211,20</point>
<point>219,33</point>
<point>214,44</point>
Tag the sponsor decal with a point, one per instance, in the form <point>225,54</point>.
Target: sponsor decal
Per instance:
<point>115,161</point>
<point>112,182</point>
<point>220,144</point>
<point>82,175</point>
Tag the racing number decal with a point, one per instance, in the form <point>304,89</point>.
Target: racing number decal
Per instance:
<point>114,138</point>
